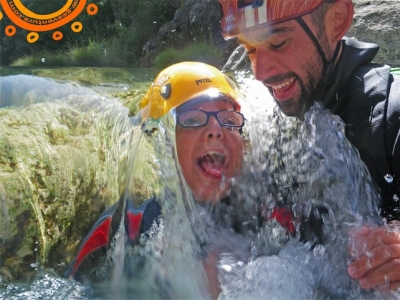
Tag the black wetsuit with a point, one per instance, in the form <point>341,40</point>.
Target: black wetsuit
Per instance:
<point>98,244</point>
<point>93,262</point>
<point>367,98</point>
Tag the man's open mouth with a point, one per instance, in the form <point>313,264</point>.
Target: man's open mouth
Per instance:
<point>280,90</point>
<point>212,164</point>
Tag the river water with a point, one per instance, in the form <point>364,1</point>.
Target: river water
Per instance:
<point>309,166</point>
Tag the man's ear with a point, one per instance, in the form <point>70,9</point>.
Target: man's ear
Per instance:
<point>338,19</point>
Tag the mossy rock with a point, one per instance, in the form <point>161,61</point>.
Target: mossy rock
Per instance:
<point>63,161</point>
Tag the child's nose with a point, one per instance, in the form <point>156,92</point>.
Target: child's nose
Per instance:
<point>214,128</point>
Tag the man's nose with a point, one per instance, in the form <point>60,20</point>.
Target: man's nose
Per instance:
<point>264,64</point>
<point>213,128</point>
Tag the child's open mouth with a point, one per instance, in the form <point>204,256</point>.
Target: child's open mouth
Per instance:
<point>212,164</point>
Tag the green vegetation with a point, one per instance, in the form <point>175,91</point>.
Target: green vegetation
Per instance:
<point>113,37</point>
<point>118,54</point>
<point>200,51</point>
<point>91,55</point>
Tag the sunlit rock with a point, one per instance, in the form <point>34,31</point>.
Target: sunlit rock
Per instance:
<point>377,22</point>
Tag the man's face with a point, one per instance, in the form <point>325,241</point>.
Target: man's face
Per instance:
<point>211,155</point>
<point>285,59</point>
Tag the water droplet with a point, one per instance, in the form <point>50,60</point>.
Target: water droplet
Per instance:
<point>226,268</point>
<point>319,250</point>
<point>388,178</point>
<point>222,183</point>
<point>387,282</point>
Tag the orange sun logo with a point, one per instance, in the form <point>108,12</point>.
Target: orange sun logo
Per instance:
<point>28,20</point>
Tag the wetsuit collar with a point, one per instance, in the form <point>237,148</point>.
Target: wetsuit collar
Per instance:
<point>354,53</point>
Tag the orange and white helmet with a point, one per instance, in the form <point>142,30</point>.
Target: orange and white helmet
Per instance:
<point>239,16</point>
<point>182,82</point>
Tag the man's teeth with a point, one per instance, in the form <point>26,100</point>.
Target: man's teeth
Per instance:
<point>289,82</point>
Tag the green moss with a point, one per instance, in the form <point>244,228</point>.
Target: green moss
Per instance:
<point>200,51</point>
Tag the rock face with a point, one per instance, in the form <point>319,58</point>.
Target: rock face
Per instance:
<point>374,21</point>
<point>195,20</point>
<point>378,22</point>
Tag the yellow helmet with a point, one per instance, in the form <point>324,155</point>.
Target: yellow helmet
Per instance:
<point>182,82</point>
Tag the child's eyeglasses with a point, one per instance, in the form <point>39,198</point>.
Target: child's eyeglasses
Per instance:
<point>197,118</point>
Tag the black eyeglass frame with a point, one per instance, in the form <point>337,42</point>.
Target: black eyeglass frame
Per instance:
<point>212,113</point>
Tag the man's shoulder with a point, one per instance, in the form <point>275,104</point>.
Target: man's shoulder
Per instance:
<point>376,82</point>
<point>356,52</point>
<point>373,114</point>
<point>365,71</point>
<point>355,59</point>
<point>368,84</point>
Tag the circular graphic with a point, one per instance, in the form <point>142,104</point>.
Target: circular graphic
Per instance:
<point>92,9</point>
<point>28,20</point>
<point>20,7</point>
<point>10,30</point>
<point>32,37</point>
<point>76,27</point>
<point>57,35</point>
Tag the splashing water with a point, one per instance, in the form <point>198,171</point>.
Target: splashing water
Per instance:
<point>309,166</point>
<point>312,168</point>
<point>165,263</point>
<point>46,285</point>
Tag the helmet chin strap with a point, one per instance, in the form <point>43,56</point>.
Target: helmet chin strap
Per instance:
<point>328,71</point>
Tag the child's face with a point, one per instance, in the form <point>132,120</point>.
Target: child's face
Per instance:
<point>211,155</point>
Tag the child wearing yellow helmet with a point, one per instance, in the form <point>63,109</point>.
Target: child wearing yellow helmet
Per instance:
<point>209,145</point>
<point>208,124</point>
<point>183,82</point>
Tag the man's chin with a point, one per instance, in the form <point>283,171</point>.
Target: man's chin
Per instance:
<point>289,108</point>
